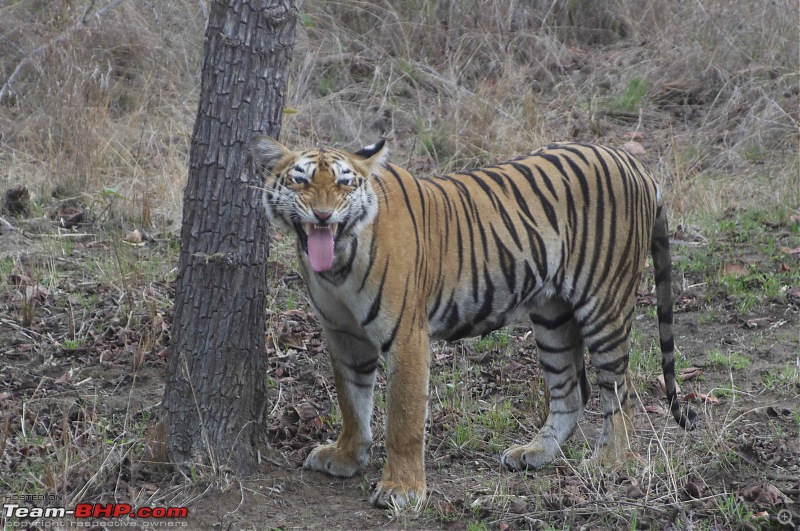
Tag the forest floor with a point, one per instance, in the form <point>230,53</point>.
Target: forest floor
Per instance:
<point>707,91</point>
<point>84,327</point>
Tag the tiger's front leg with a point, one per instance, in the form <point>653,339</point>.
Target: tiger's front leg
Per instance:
<point>355,364</point>
<point>403,479</point>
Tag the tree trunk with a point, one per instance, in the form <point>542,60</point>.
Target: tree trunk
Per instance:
<point>214,397</point>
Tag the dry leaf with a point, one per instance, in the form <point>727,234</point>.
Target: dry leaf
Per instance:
<point>634,148</point>
<point>37,292</point>
<point>734,270</point>
<point>696,487</point>
<point>702,396</point>
<point>634,492</point>
<point>513,366</point>
<point>638,136</point>
<point>787,250</point>
<point>661,386</point>
<point>518,506</point>
<point>764,495</point>
<point>689,373</point>
<point>134,237</point>
<point>305,412</point>
<point>657,409</point>
<point>69,217</point>
<point>18,280</point>
<point>758,322</point>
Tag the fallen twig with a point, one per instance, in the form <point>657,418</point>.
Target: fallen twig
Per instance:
<point>7,225</point>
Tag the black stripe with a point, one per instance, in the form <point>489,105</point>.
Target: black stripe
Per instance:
<point>567,388</point>
<point>488,297</point>
<point>617,366</point>
<point>348,333</point>
<point>359,384</point>
<point>376,304</point>
<point>510,227</point>
<point>538,249</point>
<point>522,203</point>
<point>551,323</point>
<point>486,189</point>
<point>620,390</point>
<point>386,345</point>
<point>668,345</point>
<point>437,302</point>
<point>605,174</point>
<point>525,170</point>
<point>528,281</point>
<point>496,177</point>
<point>407,201</point>
<point>383,195</point>
<point>364,367</point>
<point>551,349</point>
<point>508,265</point>
<point>370,264</point>
<point>339,275</point>
<point>563,411</point>
<point>609,342</point>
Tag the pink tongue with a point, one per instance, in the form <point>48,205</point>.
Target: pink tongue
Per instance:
<point>320,249</point>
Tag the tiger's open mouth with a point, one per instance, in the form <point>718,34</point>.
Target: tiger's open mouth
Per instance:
<point>320,240</point>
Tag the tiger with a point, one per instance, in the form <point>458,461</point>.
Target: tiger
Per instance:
<point>391,261</point>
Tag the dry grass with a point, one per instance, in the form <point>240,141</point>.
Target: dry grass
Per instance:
<point>452,84</point>
<point>109,106</point>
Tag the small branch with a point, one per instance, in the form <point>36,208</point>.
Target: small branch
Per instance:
<point>7,225</point>
<point>7,90</point>
<point>87,11</point>
<point>623,115</point>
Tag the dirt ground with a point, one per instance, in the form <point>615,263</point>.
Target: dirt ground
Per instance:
<point>78,415</point>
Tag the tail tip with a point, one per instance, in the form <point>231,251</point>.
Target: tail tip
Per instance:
<point>687,418</point>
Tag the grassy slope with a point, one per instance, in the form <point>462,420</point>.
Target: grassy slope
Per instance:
<point>101,126</point>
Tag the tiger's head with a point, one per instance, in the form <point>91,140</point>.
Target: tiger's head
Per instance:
<point>324,195</point>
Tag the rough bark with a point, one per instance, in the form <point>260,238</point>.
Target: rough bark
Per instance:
<point>214,397</point>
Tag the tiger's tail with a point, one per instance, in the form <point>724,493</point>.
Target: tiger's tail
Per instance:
<point>662,265</point>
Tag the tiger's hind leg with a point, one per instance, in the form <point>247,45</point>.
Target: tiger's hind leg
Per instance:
<point>608,348</point>
<point>561,357</point>
<point>355,365</point>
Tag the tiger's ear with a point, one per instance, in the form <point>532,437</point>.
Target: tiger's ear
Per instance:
<point>267,151</point>
<point>374,155</point>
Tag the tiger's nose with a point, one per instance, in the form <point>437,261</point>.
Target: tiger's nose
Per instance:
<point>323,215</point>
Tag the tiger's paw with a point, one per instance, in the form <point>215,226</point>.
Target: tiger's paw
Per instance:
<point>610,457</point>
<point>397,495</point>
<point>535,455</point>
<point>334,461</point>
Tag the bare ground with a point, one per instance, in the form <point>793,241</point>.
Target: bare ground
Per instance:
<point>78,415</point>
